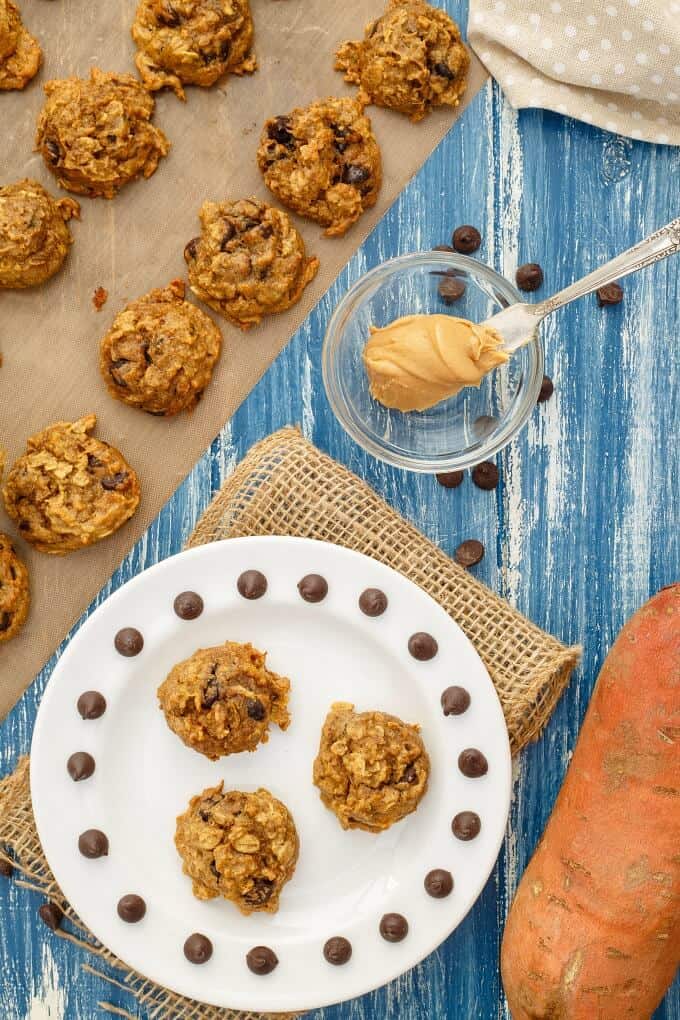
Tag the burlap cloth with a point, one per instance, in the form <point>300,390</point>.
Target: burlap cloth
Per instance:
<point>49,335</point>
<point>285,486</point>
<point>614,63</point>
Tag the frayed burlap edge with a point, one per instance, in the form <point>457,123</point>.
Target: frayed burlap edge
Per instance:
<point>20,845</point>
<point>285,486</point>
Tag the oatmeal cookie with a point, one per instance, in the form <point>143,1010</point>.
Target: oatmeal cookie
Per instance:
<point>192,42</point>
<point>20,54</point>
<point>323,162</point>
<point>15,595</point>
<point>243,846</point>
<point>96,134</point>
<point>372,769</point>
<point>70,490</point>
<point>221,700</point>
<point>34,238</point>
<point>411,59</point>
<point>249,261</point>
<point>160,352</point>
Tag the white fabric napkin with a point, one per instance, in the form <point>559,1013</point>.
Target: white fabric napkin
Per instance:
<point>614,63</point>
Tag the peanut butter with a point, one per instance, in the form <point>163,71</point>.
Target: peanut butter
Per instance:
<point>419,360</point>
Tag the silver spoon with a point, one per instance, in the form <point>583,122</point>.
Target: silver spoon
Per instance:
<point>518,323</point>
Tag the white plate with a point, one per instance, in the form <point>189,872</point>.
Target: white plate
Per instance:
<point>144,777</point>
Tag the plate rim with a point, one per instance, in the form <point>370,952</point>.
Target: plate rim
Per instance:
<point>344,552</point>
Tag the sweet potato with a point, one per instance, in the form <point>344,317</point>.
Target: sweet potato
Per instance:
<point>594,930</point>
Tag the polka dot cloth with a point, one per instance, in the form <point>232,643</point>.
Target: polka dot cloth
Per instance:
<point>616,65</point>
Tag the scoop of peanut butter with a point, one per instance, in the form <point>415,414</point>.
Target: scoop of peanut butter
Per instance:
<point>419,360</point>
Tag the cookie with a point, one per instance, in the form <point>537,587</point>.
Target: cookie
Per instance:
<point>160,352</point>
<point>70,490</point>
<point>323,162</point>
<point>242,846</point>
<point>34,238</point>
<point>221,700</point>
<point>95,134</point>
<point>372,769</point>
<point>249,261</point>
<point>411,59</point>
<point>15,596</point>
<point>192,42</point>
<point>20,53</point>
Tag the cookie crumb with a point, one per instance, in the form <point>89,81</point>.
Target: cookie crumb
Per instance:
<point>99,298</point>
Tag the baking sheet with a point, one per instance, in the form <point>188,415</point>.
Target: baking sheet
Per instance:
<point>49,335</point>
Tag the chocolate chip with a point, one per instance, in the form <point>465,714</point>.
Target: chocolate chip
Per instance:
<point>337,951</point>
<point>6,869</point>
<point>128,642</point>
<point>410,775</point>
<point>211,692</point>
<point>92,461</point>
<point>113,482</point>
<point>472,763</point>
<point>255,710</point>
<point>191,249</point>
<point>443,247</point>
<point>451,289</point>
<point>225,50</point>
<point>455,701</point>
<point>91,705</point>
<point>422,646</point>
<point>198,948</point>
<point>260,893</point>
<point>355,174</point>
<point>466,239</point>
<point>469,553</point>
<point>313,587</point>
<point>93,843</point>
<point>393,927</point>
<point>450,479</point>
<point>251,584</point>
<point>443,71</point>
<point>485,475</point>
<point>188,605</point>
<point>466,825</point>
<point>168,16</point>
<point>373,602</point>
<point>229,231</point>
<point>610,294</point>
<point>546,391</point>
<point>266,230</point>
<point>53,150</point>
<point>114,373</point>
<point>529,276</point>
<point>80,765</point>
<point>279,131</point>
<point>131,908</point>
<point>484,425</point>
<point>5,620</point>
<point>262,960</point>
<point>438,883</point>
<point>51,915</point>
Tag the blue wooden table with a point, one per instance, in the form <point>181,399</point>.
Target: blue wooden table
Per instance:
<point>583,528</point>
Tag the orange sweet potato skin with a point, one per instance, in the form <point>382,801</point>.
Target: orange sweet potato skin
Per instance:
<point>594,930</point>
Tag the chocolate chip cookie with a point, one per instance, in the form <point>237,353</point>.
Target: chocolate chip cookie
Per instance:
<point>34,238</point>
<point>70,490</point>
<point>20,54</point>
<point>243,846</point>
<point>411,59</point>
<point>221,700</point>
<point>15,595</point>
<point>160,352</point>
<point>249,261</point>
<point>192,42</point>
<point>372,769</point>
<point>95,134</point>
<point>323,162</point>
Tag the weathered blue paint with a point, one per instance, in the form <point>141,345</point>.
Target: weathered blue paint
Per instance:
<point>583,528</point>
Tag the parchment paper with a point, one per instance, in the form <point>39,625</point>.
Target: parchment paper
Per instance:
<point>49,335</point>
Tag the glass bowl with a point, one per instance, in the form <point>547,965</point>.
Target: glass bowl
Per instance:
<point>459,432</point>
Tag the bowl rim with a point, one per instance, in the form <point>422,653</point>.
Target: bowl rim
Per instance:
<point>443,462</point>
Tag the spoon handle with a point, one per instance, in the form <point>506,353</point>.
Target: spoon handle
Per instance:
<point>658,245</point>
